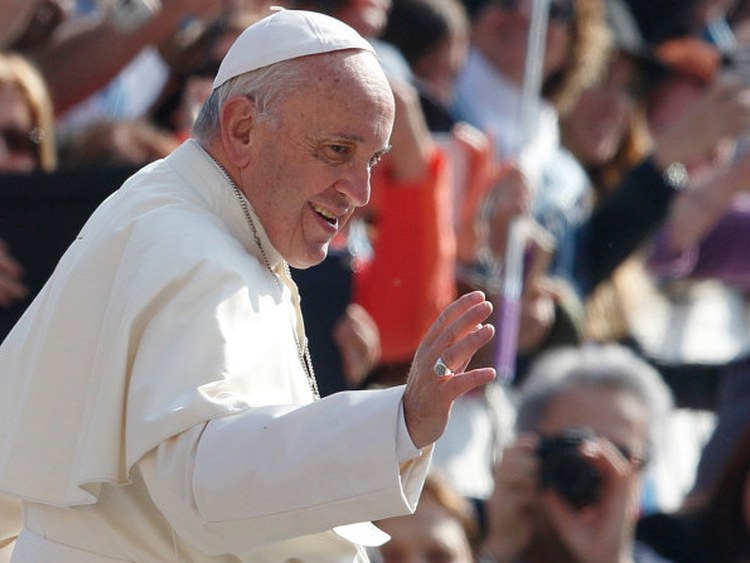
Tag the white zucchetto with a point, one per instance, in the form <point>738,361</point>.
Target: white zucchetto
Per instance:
<point>284,35</point>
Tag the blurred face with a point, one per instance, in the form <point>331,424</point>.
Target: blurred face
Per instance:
<point>18,152</point>
<point>620,418</point>
<point>309,168</point>
<point>503,36</point>
<point>430,535</point>
<point>595,129</point>
<point>438,69</point>
<point>368,17</point>
<point>612,414</point>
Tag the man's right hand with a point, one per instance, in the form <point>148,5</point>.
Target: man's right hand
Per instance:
<point>455,337</point>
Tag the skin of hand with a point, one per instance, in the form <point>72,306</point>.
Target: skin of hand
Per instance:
<point>540,292</point>
<point>708,126</point>
<point>697,210</point>
<point>722,113</point>
<point>481,174</point>
<point>68,58</point>
<point>358,341</point>
<point>15,16</point>
<point>537,312</point>
<point>594,534</point>
<point>11,287</point>
<point>411,139</point>
<point>509,510</point>
<point>455,337</point>
<point>599,532</point>
<point>511,198</point>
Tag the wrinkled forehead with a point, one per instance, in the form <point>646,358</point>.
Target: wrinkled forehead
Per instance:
<point>368,79</point>
<point>615,413</point>
<point>353,76</point>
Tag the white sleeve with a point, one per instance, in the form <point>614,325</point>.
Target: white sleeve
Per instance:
<point>405,448</point>
<point>273,473</point>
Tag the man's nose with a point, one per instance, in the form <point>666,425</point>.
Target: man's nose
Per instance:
<point>356,185</point>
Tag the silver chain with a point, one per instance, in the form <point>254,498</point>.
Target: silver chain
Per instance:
<point>302,352</point>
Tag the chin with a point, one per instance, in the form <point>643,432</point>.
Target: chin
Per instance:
<point>309,260</point>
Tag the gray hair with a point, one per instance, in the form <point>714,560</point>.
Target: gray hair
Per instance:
<point>266,86</point>
<point>610,366</point>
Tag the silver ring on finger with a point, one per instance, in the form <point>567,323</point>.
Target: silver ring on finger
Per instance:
<point>441,369</point>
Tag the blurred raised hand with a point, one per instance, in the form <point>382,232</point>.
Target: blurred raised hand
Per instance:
<point>358,341</point>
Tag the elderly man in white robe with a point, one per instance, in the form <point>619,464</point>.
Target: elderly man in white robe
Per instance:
<point>158,403</point>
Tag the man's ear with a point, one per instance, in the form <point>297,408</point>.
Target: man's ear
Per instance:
<point>237,123</point>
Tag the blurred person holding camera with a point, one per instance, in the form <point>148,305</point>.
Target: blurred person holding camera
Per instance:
<point>26,118</point>
<point>568,489</point>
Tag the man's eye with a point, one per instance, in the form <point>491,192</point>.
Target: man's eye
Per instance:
<point>339,149</point>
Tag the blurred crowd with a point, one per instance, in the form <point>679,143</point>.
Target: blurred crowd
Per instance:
<point>622,182</point>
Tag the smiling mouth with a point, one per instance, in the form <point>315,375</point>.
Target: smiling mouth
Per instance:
<point>327,215</point>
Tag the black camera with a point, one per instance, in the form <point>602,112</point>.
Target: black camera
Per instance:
<point>564,470</point>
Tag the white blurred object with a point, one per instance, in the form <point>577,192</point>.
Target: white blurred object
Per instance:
<point>512,284</point>
<point>692,322</point>
<point>128,96</point>
<point>671,475</point>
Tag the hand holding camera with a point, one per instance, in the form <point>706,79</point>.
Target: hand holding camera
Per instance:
<point>573,481</point>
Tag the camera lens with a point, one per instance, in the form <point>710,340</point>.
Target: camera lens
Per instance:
<point>565,471</point>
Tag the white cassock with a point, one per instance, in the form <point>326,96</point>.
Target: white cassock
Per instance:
<point>157,406</point>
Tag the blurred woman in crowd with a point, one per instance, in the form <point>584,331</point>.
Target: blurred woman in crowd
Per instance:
<point>442,530</point>
<point>27,143</point>
<point>27,140</point>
